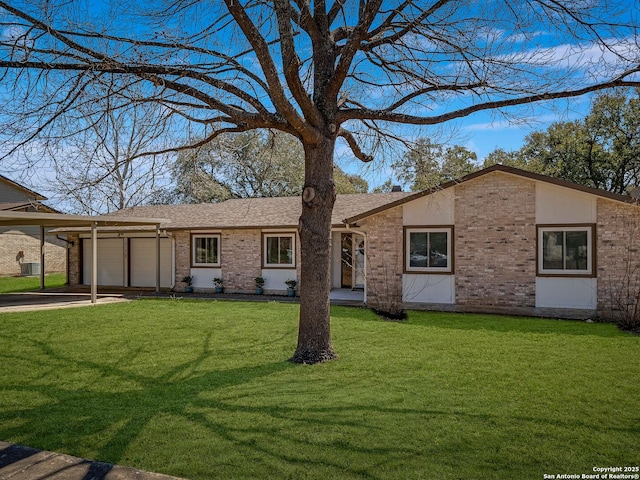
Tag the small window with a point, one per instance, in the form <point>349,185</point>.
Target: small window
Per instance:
<point>565,250</point>
<point>428,250</point>
<point>206,250</point>
<point>279,250</point>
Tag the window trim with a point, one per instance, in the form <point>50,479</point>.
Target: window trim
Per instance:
<point>194,236</point>
<point>286,266</point>
<point>449,229</point>
<point>590,272</point>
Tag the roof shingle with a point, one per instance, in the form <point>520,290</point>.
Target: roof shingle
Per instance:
<point>256,212</point>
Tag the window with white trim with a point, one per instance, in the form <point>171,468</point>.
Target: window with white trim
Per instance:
<point>279,249</point>
<point>205,250</point>
<point>428,249</point>
<point>565,250</point>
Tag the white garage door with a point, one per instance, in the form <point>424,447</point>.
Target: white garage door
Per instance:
<point>142,261</point>
<point>110,261</point>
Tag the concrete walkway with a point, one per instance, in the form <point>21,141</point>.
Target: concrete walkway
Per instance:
<point>25,463</point>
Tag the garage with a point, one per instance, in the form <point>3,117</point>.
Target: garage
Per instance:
<point>110,262</point>
<point>142,254</point>
<point>128,262</point>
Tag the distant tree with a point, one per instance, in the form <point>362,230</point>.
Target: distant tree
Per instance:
<point>258,163</point>
<point>602,150</point>
<point>349,182</point>
<point>386,187</point>
<point>457,162</point>
<point>419,167</point>
<point>613,125</point>
<point>511,159</point>
<point>429,164</point>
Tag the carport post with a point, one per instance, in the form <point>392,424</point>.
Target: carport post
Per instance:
<point>94,262</point>
<point>42,233</point>
<point>158,258</point>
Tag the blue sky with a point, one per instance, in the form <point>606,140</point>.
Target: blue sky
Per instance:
<point>481,133</point>
<point>485,131</point>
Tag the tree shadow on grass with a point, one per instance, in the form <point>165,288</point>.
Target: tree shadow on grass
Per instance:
<point>270,420</point>
<point>86,420</point>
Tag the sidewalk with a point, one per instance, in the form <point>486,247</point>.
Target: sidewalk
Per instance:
<point>25,463</point>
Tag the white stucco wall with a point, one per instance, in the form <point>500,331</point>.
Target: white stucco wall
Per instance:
<point>561,206</point>
<point>203,277</point>
<point>428,288</point>
<point>566,293</point>
<point>275,277</point>
<point>434,209</point>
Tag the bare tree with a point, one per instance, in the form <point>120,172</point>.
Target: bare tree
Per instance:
<point>321,71</point>
<point>102,166</point>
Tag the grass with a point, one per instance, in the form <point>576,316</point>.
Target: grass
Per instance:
<point>200,389</point>
<point>26,284</point>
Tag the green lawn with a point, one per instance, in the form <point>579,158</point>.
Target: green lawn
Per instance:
<point>26,284</point>
<point>200,389</point>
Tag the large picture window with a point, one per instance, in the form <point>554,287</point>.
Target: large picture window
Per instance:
<point>279,249</point>
<point>205,250</point>
<point>428,249</point>
<point>565,250</point>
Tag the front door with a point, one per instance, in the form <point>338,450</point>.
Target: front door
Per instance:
<point>352,261</point>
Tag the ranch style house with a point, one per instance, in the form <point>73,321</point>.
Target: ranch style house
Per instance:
<point>499,240</point>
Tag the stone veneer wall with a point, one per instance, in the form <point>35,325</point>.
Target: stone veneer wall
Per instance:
<point>241,259</point>
<point>384,258</point>
<point>495,242</point>
<point>618,250</point>
<point>183,257</point>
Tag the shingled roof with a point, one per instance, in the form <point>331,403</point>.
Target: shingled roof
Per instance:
<point>272,212</point>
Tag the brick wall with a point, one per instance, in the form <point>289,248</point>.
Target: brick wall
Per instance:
<point>75,263</point>
<point>618,256</point>
<point>495,242</point>
<point>241,259</point>
<point>27,240</point>
<point>183,257</point>
<point>384,259</point>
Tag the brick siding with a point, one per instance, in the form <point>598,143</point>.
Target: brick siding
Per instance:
<point>618,244</point>
<point>28,242</point>
<point>241,259</point>
<point>75,260</point>
<point>495,242</point>
<point>384,259</point>
<point>183,257</point>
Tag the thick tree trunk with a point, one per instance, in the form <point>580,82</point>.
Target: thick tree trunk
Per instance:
<point>314,333</point>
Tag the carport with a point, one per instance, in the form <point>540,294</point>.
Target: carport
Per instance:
<point>57,220</point>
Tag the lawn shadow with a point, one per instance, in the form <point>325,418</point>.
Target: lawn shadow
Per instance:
<point>71,416</point>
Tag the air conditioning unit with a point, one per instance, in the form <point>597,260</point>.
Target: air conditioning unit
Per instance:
<point>30,268</point>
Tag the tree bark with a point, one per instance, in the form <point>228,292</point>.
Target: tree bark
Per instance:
<point>314,227</point>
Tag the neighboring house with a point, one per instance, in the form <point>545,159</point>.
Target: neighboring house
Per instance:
<point>20,245</point>
<point>498,240</point>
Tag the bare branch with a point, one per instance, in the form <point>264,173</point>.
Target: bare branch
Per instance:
<point>353,144</point>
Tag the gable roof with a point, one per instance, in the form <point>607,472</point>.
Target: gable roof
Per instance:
<point>25,206</point>
<point>486,171</point>
<point>22,188</point>
<point>265,212</point>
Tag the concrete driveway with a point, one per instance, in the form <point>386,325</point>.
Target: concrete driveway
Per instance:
<point>51,299</point>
